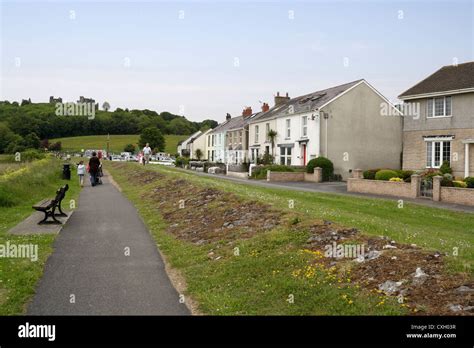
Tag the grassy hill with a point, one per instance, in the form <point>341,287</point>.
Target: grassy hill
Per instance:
<point>117,142</point>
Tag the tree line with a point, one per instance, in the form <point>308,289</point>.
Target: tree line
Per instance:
<point>26,125</point>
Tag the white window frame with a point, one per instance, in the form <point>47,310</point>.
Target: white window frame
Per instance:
<point>256,134</point>
<point>285,156</point>
<point>432,102</point>
<point>288,128</point>
<point>304,126</point>
<point>267,130</point>
<point>432,160</point>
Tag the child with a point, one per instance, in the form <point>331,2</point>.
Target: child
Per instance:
<point>81,171</point>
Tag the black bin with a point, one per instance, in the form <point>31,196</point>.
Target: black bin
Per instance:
<point>67,171</point>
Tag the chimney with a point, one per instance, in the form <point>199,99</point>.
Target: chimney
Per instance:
<point>279,100</point>
<point>265,107</point>
<point>227,117</point>
<point>247,111</point>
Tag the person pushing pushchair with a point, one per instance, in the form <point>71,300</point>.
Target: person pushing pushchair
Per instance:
<point>95,169</point>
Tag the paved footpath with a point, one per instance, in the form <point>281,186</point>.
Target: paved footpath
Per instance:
<point>89,263</point>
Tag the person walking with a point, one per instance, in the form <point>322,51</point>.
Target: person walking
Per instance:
<point>146,153</point>
<point>94,164</point>
<point>81,171</point>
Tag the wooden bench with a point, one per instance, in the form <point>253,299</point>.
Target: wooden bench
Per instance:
<point>48,207</point>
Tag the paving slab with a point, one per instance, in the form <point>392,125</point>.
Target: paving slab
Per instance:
<point>30,225</point>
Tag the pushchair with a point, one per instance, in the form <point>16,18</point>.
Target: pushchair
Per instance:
<point>100,174</point>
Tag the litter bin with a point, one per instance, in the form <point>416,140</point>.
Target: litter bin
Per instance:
<point>67,171</point>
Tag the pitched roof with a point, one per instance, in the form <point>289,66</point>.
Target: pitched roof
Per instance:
<point>448,78</point>
<point>306,102</point>
<point>228,124</point>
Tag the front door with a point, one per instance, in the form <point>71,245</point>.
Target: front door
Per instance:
<point>303,154</point>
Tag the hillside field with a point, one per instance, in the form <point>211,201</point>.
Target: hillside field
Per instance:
<point>117,142</point>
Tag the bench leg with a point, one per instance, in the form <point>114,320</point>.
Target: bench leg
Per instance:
<point>61,213</point>
<point>48,214</point>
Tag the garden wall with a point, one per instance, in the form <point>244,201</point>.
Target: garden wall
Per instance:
<point>454,195</point>
<point>389,188</point>
<point>457,195</point>
<point>295,176</point>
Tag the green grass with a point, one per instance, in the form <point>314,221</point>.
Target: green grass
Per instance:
<point>19,191</point>
<point>117,142</point>
<point>260,280</point>
<point>431,228</point>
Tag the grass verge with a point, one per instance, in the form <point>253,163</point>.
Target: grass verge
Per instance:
<point>19,190</point>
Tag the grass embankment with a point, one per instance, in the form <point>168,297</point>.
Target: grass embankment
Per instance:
<point>117,142</point>
<point>19,190</point>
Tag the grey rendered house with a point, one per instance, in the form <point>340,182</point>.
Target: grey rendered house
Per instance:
<point>443,130</point>
<point>351,124</point>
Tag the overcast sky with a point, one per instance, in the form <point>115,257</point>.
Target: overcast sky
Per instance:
<point>206,58</point>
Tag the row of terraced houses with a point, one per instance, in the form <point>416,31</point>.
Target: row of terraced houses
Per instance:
<point>355,126</point>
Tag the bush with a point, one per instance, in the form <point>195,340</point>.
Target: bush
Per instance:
<point>445,168</point>
<point>129,148</point>
<point>370,173</point>
<point>469,181</point>
<point>386,174</point>
<point>429,174</point>
<point>323,163</point>
<point>447,182</point>
<point>31,155</point>
<point>461,184</point>
<point>181,161</point>
<point>261,172</point>
<point>266,159</point>
<point>396,179</point>
<point>404,174</point>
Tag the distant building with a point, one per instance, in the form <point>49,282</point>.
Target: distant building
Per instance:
<point>53,100</point>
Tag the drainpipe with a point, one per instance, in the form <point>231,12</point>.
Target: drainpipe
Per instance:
<point>326,117</point>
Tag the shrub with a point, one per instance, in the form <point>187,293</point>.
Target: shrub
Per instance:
<point>386,174</point>
<point>396,179</point>
<point>429,174</point>
<point>370,173</point>
<point>181,161</point>
<point>261,172</point>
<point>265,159</point>
<point>404,174</point>
<point>447,180</point>
<point>324,163</point>
<point>445,168</point>
<point>129,148</point>
<point>469,181</point>
<point>461,184</point>
<point>31,155</point>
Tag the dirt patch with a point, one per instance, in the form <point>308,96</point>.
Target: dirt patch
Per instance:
<point>204,215</point>
<point>417,278</point>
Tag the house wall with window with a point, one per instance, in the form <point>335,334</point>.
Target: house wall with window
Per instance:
<point>258,145</point>
<point>358,135</point>
<point>298,138</point>
<point>438,134</point>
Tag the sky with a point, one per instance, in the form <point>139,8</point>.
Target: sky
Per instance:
<point>203,59</point>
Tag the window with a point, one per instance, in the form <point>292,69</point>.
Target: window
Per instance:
<point>285,155</point>
<point>254,155</point>
<point>256,134</point>
<point>305,126</point>
<point>209,141</point>
<point>438,107</point>
<point>240,137</point>
<point>437,152</point>
<point>213,140</point>
<point>288,129</point>
<point>267,130</point>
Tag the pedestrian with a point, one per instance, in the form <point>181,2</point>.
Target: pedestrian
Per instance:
<point>146,153</point>
<point>81,171</point>
<point>94,164</point>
